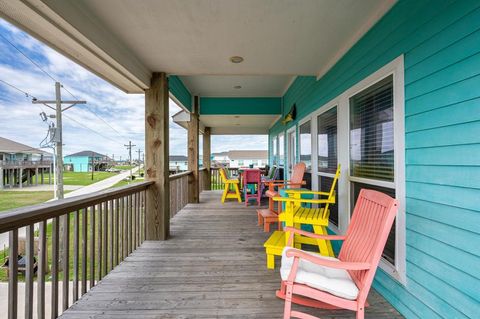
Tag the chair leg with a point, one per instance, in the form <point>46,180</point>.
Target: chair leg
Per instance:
<point>266,226</point>
<point>270,261</point>
<point>288,302</point>
<point>225,192</point>
<point>237,192</point>
<point>260,219</point>
<point>361,312</point>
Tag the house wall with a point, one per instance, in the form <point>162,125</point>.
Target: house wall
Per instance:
<point>80,163</point>
<point>180,91</point>
<point>234,163</point>
<point>440,41</point>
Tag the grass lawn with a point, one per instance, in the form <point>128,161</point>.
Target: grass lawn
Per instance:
<point>124,167</point>
<point>84,178</point>
<point>11,200</point>
<point>124,182</point>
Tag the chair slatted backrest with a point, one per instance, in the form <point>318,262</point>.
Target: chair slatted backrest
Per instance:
<point>223,174</point>
<point>252,176</point>
<point>367,235</point>
<point>297,174</point>
<point>331,193</point>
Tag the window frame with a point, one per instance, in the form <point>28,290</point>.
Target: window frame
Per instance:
<point>312,145</point>
<point>281,158</point>
<point>292,130</point>
<point>396,69</point>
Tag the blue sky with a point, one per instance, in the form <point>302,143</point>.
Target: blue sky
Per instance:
<point>83,130</point>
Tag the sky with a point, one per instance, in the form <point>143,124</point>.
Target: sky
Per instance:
<point>84,126</point>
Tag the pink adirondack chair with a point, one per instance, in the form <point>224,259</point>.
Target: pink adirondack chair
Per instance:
<point>252,177</point>
<point>325,282</point>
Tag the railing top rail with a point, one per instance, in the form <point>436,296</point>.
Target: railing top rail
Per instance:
<point>179,175</point>
<point>28,215</point>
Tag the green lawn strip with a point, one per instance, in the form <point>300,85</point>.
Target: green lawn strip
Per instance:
<point>126,182</point>
<point>124,167</point>
<point>84,178</point>
<point>4,252</point>
<point>13,199</point>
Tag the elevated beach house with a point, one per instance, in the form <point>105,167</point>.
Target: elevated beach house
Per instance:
<point>390,90</point>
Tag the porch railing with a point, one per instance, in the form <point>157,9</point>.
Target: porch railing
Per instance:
<point>106,227</point>
<point>25,163</point>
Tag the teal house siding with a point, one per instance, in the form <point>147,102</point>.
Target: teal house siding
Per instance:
<point>180,91</point>
<point>240,105</point>
<point>440,41</point>
<point>79,163</point>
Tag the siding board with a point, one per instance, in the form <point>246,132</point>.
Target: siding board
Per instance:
<point>440,43</point>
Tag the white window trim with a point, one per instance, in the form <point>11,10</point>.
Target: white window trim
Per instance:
<point>395,68</point>
<point>300,123</point>
<point>282,134</point>
<point>291,130</point>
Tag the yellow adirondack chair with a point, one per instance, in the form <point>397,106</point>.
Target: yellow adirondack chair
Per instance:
<point>296,214</point>
<point>230,183</point>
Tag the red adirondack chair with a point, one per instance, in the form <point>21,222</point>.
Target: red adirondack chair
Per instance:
<point>339,283</point>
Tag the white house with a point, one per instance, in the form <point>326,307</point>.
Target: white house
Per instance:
<point>241,158</point>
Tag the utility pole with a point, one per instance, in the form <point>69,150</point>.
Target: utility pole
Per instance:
<point>139,163</point>
<point>58,133</point>
<point>129,147</point>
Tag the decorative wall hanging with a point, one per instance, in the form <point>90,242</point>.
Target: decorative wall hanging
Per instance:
<point>290,115</point>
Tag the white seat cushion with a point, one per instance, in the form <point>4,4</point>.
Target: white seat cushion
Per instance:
<point>334,281</point>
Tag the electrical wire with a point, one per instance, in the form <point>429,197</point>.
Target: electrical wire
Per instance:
<point>16,88</point>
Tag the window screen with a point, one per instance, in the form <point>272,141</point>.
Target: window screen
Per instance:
<point>371,132</point>
<point>305,140</point>
<point>327,141</point>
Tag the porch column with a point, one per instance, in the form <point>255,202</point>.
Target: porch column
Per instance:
<point>1,178</point>
<point>36,176</point>
<point>206,159</point>
<point>20,177</point>
<point>193,189</point>
<point>156,158</point>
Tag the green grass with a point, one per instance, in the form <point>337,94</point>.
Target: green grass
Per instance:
<point>124,167</point>
<point>84,178</point>
<point>124,182</point>
<point>10,200</point>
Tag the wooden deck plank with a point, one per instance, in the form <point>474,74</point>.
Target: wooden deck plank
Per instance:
<point>213,266</point>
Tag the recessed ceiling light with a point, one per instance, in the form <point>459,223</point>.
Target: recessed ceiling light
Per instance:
<point>236,59</point>
<point>237,124</point>
<point>237,87</point>
<point>237,116</point>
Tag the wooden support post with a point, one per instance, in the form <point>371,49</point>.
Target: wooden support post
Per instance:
<point>193,126</point>
<point>206,159</point>
<point>157,158</point>
<point>1,178</point>
<point>20,177</point>
<point>36,176</point>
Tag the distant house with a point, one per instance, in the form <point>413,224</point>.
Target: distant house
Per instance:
<point>22,164</point>
<point>82,161</point>
<point>240,158</point>
<point>178,163</point>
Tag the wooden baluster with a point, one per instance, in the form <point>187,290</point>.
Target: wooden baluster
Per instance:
<point>100,212</point>
<point>84,249</point>
<point>55,246</point>
<point>139,224</point>
<point>29,272</point>
<point>92,246</point>
<point>12,274</point>
<point>132,216</point>
<point>129,224</point>
<point>42,269</point>
<point>117,230</point>
<point>105,237</point>
<point>66,261</point>
<point>111,224</point>
<point>125,228</point>
<point>76,235</point>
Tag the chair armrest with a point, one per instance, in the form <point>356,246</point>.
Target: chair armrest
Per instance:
<point>312,235</point>
<point>327,263</point>
<point>299,191</point>
<point>307,201</point>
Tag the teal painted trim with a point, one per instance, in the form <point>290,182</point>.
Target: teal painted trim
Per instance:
<point>180,91</point>
<point>240,105</point>
<point>439,40</point>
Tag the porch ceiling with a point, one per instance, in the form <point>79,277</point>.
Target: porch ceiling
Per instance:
<point>123,41</point>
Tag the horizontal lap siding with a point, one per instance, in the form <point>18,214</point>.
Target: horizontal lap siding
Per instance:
<point>440,41</point>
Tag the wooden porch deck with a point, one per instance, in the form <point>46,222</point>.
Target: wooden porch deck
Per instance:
<point>212,267</point>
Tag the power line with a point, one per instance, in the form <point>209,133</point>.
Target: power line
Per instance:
<point>16,88</point>
<point>90,129</point>
<point>28,58</point>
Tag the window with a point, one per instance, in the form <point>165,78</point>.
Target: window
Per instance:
<point>240,163</point>
<point>327,155</point>
<point>305,140</point>
<point>372,146</point>
<point>255,163</point>
<point>281,147</point>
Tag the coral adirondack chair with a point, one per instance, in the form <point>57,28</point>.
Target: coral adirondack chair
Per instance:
<point>270,215</point>
<point>344,282</point>
<point>230,183</point>
<point>252,177</point>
